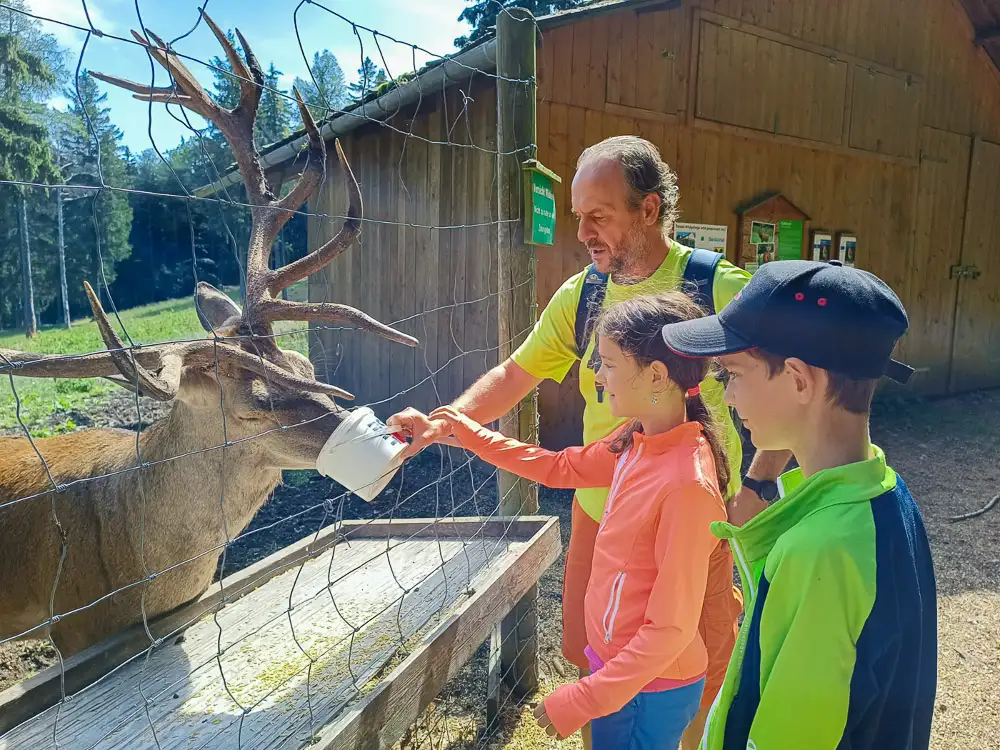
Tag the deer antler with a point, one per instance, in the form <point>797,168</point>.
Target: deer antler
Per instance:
<point>154,370</point>
<point>269,213</point>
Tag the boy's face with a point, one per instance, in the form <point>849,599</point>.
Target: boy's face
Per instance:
<point>771,406</point>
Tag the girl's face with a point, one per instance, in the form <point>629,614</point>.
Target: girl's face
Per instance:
<point>628,387</point>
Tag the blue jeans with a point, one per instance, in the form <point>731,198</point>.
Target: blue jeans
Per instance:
<point>650,721</point>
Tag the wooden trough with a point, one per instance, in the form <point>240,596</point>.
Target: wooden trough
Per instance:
<point>287,656</point>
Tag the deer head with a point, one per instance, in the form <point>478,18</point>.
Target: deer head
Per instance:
<point>262,386</point>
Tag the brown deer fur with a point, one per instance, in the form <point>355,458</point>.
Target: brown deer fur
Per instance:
<point>184,506</point>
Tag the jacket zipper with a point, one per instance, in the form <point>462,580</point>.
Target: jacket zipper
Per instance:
<point>749,594</point>
<point>613,603</point>
<point>615,598</point>
<point>625,465</point>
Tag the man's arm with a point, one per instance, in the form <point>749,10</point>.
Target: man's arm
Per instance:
<point>548,352</point>
<point>496,392</point>
<point>485,401</point>
<point>769,464</point>
<point>747,503</point>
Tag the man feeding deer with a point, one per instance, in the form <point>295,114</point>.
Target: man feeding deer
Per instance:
<point>91,543</point>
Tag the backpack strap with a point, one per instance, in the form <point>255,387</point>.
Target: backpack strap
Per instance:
<point>700,271</point>
<point>587,309</point>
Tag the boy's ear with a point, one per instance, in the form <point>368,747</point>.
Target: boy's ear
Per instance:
<point>806,380</point>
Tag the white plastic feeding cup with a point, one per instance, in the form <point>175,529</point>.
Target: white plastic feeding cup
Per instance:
<point>361,454</point>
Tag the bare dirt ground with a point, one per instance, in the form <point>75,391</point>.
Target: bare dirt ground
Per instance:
<point>948,452</point>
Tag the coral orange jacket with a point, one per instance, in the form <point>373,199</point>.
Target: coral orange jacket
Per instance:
<point>651,557</point>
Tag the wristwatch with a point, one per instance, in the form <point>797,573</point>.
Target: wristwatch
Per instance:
<point>764,488</point>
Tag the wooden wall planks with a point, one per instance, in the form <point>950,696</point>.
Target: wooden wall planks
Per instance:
<point>427,254</point>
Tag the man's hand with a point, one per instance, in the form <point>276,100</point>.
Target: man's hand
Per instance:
<point>545,722</point>
<point>420,429</point>
<point>744,506</point>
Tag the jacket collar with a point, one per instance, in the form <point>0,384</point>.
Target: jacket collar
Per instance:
<point>686,433</point>
<point>853,483</point>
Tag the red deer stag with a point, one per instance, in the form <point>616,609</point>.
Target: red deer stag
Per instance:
<point>235,388</point>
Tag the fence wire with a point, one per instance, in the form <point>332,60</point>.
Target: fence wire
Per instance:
<point>252,664</point>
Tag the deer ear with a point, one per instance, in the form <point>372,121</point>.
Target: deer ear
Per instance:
<point>214,307</point>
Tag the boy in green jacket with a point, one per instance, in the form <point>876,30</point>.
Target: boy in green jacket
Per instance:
<point>838,648</point>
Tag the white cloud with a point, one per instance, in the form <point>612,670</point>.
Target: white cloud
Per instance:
<point>59,102</point>
<point>70,11</point>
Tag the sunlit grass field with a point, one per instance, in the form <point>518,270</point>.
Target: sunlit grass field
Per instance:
<point>38,400</point>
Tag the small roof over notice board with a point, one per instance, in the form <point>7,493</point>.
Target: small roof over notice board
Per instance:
<point>772,205</point>
<point>771,228</point>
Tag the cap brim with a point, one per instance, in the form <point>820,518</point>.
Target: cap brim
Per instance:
<point>703,337</point>
<point>898,371</point>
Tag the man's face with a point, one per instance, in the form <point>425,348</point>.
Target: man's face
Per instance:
<point>769,406</point>
<point>615,236</point>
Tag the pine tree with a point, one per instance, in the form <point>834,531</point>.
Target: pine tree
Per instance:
<point>34,40</point>
<point>24,149</point>
<point>370,77</point>
<point>329,92</point>
<point>64,131</point>
<point>275,114</point>
<point>99,225</point>
<point>482,14</point>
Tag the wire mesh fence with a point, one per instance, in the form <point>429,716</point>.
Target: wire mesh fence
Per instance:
<point>213,619</point>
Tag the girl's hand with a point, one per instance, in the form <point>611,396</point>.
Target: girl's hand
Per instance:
<point>420,429</point>
<point>545,722</point>
<point>446,413</point>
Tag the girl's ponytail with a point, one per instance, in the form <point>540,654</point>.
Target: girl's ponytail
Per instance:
<point>714,434</point>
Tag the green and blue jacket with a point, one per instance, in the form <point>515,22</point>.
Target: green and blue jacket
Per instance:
<point>838,647</point>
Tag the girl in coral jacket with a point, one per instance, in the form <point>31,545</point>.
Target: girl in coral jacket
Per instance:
<point>651,559</point>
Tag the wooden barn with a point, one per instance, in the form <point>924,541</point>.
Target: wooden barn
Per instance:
<point>868,124</point>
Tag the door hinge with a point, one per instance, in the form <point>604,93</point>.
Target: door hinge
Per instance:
<point>964,272</point>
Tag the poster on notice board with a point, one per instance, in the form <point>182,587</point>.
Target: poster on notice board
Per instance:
<point>762,239</point>
<point>706,236</point>
<point>822,246</point>
<point>847,245</point>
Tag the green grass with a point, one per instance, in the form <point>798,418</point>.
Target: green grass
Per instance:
<point>45,403</point>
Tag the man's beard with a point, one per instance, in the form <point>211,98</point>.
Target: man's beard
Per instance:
<point>630,254</point>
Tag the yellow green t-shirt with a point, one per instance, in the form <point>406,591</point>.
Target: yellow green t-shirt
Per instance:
<point>550,351</point>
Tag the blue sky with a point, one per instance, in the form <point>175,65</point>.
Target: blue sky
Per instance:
<point>268,26</point>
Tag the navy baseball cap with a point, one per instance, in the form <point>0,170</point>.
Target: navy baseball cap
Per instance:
<point>841,319</point>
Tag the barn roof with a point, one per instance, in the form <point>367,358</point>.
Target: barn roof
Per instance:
<point>379,105</point>
<point>985,17</point>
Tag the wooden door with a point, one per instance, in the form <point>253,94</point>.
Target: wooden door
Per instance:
<point>976,359</point>
<point>944,176</point>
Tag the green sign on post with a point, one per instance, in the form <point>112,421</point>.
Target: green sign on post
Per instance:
<point>540,203</point>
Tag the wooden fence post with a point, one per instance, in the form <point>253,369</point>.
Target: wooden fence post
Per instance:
<point>514,659</point>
